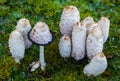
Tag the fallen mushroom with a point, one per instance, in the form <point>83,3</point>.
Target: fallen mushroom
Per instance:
<point>104,24</point>
<point>94,43</point>
<point>23,26</point>
<point>97,65</point>
<point>78,41</point>
<point>65,46</point>
<point>16,45</point>
<point>69,17</point>
<point>41,35</point>
<point>34,66</point>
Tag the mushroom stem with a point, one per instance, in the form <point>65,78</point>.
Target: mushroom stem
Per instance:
<point>42,60</point>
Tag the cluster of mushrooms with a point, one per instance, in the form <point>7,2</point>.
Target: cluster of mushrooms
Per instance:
<point>23,37</point>
<point>78,40</point>
<point>85,38</point>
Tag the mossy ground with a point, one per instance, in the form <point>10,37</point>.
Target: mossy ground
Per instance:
<point>49,11</point>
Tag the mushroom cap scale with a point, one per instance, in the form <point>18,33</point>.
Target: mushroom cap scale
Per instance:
<point>41,34</point>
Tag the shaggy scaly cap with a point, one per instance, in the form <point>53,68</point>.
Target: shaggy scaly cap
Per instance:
<point>41,34</point>
<point>104,24</point>
<point>69,17</point>
<point>65,46</point>
<point>78,41</point>
<point>97,65</point>
<point>23,26</point>
<point>89,22</point>
<point>94,42</point>
<point>16,45</point>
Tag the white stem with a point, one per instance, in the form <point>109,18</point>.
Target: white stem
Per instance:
<point>42,60</point>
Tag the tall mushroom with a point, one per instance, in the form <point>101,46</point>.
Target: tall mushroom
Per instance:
<point>69,17</point>
<point>23,26</point>
<point>94,42</point>
<point>104,24</point>
<point>41,35</point>
<point>96,66</point>
<point>78,41</point>
<point>16,45</point>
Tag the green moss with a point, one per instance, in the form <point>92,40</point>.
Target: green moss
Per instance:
<point>6,66</point>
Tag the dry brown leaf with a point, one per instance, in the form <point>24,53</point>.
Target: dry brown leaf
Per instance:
<point>110,56</point>
<point>107,73</point>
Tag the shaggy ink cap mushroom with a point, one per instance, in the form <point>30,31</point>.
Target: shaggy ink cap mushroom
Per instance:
<point>41,34</point>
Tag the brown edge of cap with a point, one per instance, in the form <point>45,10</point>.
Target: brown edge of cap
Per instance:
<point>38,43</point>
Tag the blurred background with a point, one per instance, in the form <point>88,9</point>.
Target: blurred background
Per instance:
<point>50,11</point>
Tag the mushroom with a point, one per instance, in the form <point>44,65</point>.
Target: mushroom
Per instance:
<point>69,17</point>
<point>94,42</point>
<point>97,65</point>
<point>16,45</point>
<point>65,46</point>
<point>104,24</point>
<point>78,41</point>
<point>34,66</point>
<point>89,22</point>
<point>41,35</point>
<point>23,26</point>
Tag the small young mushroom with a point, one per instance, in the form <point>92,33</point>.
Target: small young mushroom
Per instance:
<point>89,22</point>
<point>97,65</point>
<point>23,26</point>
<point>69,17</point>
<point>16,45</point>
<point>41,35</point>
<point>65,46</point>
<point>94,42</point>
<point>104,24</point>
<point>78,41</point>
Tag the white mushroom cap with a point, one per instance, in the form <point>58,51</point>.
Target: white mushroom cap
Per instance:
<point>23,26</point>
<point>65,46</point>
<point>96,31</point>
<point>41,34</point>
<point>96,66</point>
<point>94,43</point>
<point>16,45</point>
<point>89,22</point>
<point>69,17</point>
<point>78,41</point>
<point>104,24</point>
